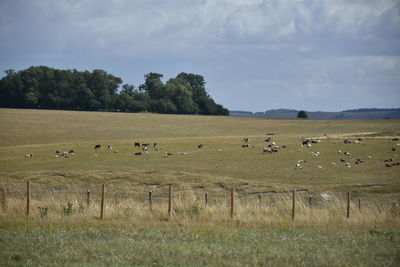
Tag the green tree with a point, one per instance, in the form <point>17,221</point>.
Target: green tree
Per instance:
<point>44,87</point>
<point>302,114</point>
<point>203,103</point>
<point>181,95</point>
<point>154,86</point>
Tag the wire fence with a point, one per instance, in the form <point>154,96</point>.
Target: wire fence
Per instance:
<point>31,196</point>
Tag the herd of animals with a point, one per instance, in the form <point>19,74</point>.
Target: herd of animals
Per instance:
<point>270,147</point>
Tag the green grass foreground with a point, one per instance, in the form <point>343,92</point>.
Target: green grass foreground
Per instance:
<point>105,245</point>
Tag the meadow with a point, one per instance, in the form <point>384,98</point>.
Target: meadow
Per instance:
<point>261,231</point>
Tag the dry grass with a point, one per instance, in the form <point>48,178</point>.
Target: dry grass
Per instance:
<point>222,163</point>
<point>24,127</point>
<point>261,232</point>
<point>131,205</point>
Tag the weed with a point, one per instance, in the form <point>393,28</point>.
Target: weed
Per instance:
<point>66,211</point>
<point>43,212</point>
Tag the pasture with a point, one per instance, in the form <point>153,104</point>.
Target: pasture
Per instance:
<point>264,231</point>
<point>221,160</point>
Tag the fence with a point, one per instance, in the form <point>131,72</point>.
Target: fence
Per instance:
<point>39,199</point>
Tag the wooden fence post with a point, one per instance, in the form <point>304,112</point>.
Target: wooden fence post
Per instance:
<point>294,204</point>
<point>232,203</point>
<point>206,197</point>
<point>28,197</point>
<point>169,199</point>
<point>151,201</point>
<point>259,198</point>
<point>348,205</point>
<point>102,201</point>
<point>310,200</point>
<point>88,197</point>
<point>359,204</point>
<point>3,199</point>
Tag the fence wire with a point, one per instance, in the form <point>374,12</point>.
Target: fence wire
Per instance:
<point>84,195</point>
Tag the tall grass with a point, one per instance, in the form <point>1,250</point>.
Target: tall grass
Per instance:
<point>69,203</point>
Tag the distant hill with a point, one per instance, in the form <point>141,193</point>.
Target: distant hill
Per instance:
<point>362,113</point>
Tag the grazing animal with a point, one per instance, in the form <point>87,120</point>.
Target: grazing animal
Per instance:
<point>346,153</point>
<point>246,139</point>
<point>109,147</point>
<point>298,166</point>
<point>115,151</point>
<point>246,145</point>
<point>157,148</point>
<point>137,144</point>
<point>283,146</point>
<point>28,156</point>
<point>267,150</point>
<point>395,139</point>
<point>393,149</point>
<point>269,139</point>
<point>145,144</point>
<point>97,146</point>
<point>71,151</point>
<point>342,160</point>
<point>359,161</point>
<point>388,160</point>
<point>305,142</point>
<point>138,153</point>
<point>168,154</point>
<point>184,153</point>
<point>58,152</point>
<point>145,149</point>
<point>155,145</point>
<point>200,145</point>
<point>347,141</point>
<point>388,165</point>
<point>314,142</point>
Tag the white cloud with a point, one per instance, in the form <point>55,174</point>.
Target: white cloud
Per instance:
<point>284,48</point>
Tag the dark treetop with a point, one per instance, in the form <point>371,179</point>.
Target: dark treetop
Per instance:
<point>48,88</point>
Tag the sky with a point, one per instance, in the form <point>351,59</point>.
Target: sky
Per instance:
<point>255,55</point>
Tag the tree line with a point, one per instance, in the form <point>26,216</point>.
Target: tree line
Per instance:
<point>49,88</point>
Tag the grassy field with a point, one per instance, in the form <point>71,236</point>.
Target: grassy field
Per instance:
<point>108,245</point>
<point>221,160</point>
<point>261,233</point>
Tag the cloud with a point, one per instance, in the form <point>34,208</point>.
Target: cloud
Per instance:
<point>252,48</point>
